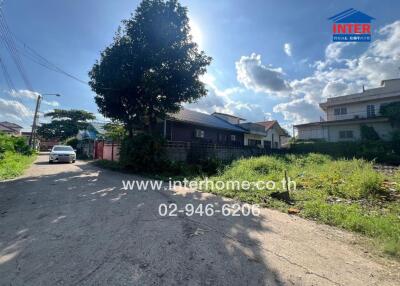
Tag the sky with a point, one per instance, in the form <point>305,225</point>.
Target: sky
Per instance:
<point>271,59</point>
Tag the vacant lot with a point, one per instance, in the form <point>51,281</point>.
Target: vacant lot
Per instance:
<point>73,224</point>
<point>345,193</point>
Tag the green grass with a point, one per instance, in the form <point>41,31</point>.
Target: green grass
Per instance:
<point>14,164</point>
<point>346,193</point>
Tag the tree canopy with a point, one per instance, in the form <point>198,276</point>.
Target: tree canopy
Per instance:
<point>114,131</point>
<point>65,123</point>
<point>151,68</point>
<point>392,111</point>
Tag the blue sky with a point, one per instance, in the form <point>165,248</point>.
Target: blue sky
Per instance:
<point>271,59</point>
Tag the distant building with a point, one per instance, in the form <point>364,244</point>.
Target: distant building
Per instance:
<point>222,129</point>
<point>10,128</point>
<point>192,126</point>
<point>265,134</point>
<point>346,114</point>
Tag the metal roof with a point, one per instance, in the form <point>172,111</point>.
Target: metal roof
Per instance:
<point>254,128</point>
<point>198,118</point>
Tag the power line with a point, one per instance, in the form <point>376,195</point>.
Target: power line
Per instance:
<point>7,75</point>
<point>34,56</point>
<point>9,43</point>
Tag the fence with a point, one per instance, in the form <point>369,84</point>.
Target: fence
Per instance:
<point>106,150</point>
<point>188,151</point>
<point>191,152</point>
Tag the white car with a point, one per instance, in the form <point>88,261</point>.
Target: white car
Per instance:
<point>62,153</point>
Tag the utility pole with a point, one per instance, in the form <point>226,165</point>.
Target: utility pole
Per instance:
<point>32,138</point>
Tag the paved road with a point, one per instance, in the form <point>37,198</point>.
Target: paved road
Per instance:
<point>75,225</point>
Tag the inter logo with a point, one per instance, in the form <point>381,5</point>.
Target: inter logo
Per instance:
<point>351,26</point>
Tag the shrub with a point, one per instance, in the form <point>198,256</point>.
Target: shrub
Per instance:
<point>143,153</point>
<point>14,144</point>
<point>379,151</point>
<point>368,133</point>
<point>73,142</point>
<point>392,111</point>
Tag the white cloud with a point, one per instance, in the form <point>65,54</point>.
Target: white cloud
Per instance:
<point>14,109</point>
<point>337,75</point>
<point>51,103</point>
<point>298,110</point>
<point>221,100</point>
<point>334,50</point>
<point>287,48</point>
<point>260,78</point>
<point>23,93</point>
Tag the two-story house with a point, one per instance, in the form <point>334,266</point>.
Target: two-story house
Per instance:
<point>346,114</point>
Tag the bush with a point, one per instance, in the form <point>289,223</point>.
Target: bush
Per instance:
<point>14,144</point>
<point>15,156</point>
<point>73,142</point>
<point>392,111</point>
<point>368,133</point>
<point>143,153</point>
<point>379,151</point>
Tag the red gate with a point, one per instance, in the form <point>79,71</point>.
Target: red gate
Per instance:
<point>98,149</point>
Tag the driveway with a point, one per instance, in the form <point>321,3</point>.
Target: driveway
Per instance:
<point>74,225</point>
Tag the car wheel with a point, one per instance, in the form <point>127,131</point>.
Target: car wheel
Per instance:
<point>50,162</point>
<point>73,161</point>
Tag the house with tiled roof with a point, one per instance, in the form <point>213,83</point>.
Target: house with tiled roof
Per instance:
<point>10,128</point>
<point>197,127</point>
<point>271,134</point>
<point>222,129</point>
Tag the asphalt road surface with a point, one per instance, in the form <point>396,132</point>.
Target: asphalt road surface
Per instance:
<point>73,224</point>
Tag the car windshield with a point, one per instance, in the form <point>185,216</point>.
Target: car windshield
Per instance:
<point>63,148</point>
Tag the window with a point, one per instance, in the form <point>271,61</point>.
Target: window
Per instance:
<point>370,110</point>
<point>346,134</point>
<point>253,142</point>
<point>199,133</point>
<point>267,144</point>
<point>221,137</point>
<point>233,137</point>
<point>340,111</point>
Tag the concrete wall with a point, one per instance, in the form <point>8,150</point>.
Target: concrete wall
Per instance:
<point>111,152</point>
<point>190,153</point>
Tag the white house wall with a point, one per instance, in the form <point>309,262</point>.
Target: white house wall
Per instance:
<point>253,137</point>
<point>312,132</point>
<point>356,109</point>
<point>331,133</point>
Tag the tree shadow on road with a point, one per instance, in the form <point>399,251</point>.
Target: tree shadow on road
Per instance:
<point>82,228</point>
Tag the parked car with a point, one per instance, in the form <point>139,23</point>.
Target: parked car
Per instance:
<point>62,153</point>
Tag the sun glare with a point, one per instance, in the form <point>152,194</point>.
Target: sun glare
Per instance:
<point>196,33</point>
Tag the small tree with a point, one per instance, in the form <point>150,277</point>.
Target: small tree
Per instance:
<point>114,131</point>
<point>151,68</point>
<point>65,123</point>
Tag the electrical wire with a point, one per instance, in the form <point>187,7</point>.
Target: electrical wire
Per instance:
<point>9,43</point>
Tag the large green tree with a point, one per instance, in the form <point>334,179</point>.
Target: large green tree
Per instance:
<point>64,123</point>
<point>151,68</point>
